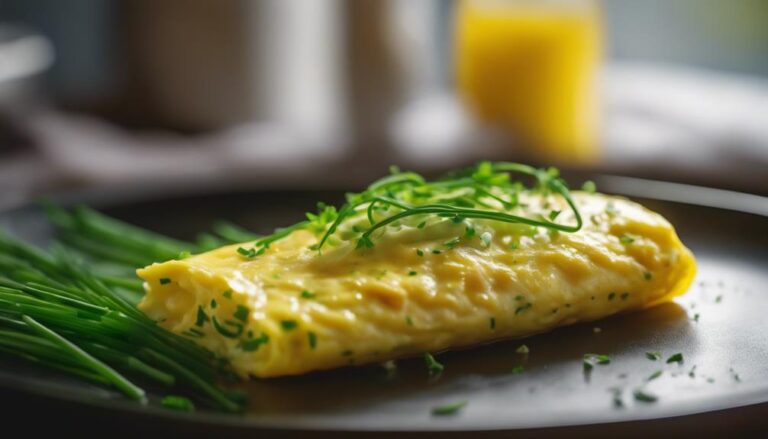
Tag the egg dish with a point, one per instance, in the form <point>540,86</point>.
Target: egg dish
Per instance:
<point>410,266</point>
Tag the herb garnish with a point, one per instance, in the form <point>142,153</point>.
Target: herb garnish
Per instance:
<point>643,396</point>
<point>654,375</point>
<point>676,358</point>
<point>590,360</point>
<point>178,403</point>
<point>626,239</point>
<point>241,313</point>
<point>485,191</point>
<point>653,356</point>
<point>433,366</point>
<point>254,343</point>
<point>448,409</point>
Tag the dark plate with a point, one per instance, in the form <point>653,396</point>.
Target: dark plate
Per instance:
<point>720,327</point>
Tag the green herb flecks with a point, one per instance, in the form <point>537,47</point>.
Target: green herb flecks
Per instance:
<point>179,403</point>
<point>626,239</point>
<point>433,366</point>
<point>253,344</point>
<point>521,309</point>
<point>643,396</point>
<point>289,325</point>
<point>448,409</point>
<point>675,358</point>
<point>653,356</point>
<point>654,375</point>
<point>241,313</point>
<point>590,360</point>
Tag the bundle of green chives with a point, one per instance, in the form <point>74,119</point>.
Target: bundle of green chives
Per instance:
<point>55,312</point>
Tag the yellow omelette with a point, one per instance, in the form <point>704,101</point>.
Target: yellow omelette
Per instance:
<point>426,286</point>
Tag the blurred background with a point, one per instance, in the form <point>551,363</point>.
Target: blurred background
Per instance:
<point>328,93</point>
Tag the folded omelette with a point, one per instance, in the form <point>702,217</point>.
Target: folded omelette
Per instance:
<point>503,262</point>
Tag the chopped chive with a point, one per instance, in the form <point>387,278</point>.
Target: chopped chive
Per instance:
<point>227,294</point>
<point>312,339</point>
<point>517,370</point>
<point>178,403</point>
<point>241,313</point>
<point>519,297</point>
<point>452,243</point>
<point>626,239</point>
<point>289,325</point>
<point>164,281</point>
<point>254,343</point>
<point>643,396</point>
<point>611,296</point>
<point>247,252</point>
<point>654,375</point>
<point>308,294</point>
<point>492,322</point>
<point>675,358</point>
<point>522,349</point>
<point>522,309</point>
<point>412,273</point>
<point>419,252</point>
<point>436,252</point>
<point>448,409</point>
<point>653,356</point>
<point>590,360</point>
<point>469,231</point>
<point>553,214</point>
<point>433,366</point>
<point>213,304</point>
<point>224,331</point>
<point>202,317</point>
<point>648,275</point>
<point>421,225</point>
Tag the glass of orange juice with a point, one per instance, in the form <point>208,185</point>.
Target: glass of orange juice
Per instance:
<point>530,66</point>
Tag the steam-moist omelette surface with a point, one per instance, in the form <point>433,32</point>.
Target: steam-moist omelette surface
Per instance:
<point>445,284</point>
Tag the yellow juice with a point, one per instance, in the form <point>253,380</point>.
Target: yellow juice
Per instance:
<point>530,66</point>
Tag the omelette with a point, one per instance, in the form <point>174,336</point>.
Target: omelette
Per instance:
<point>410,266</point>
